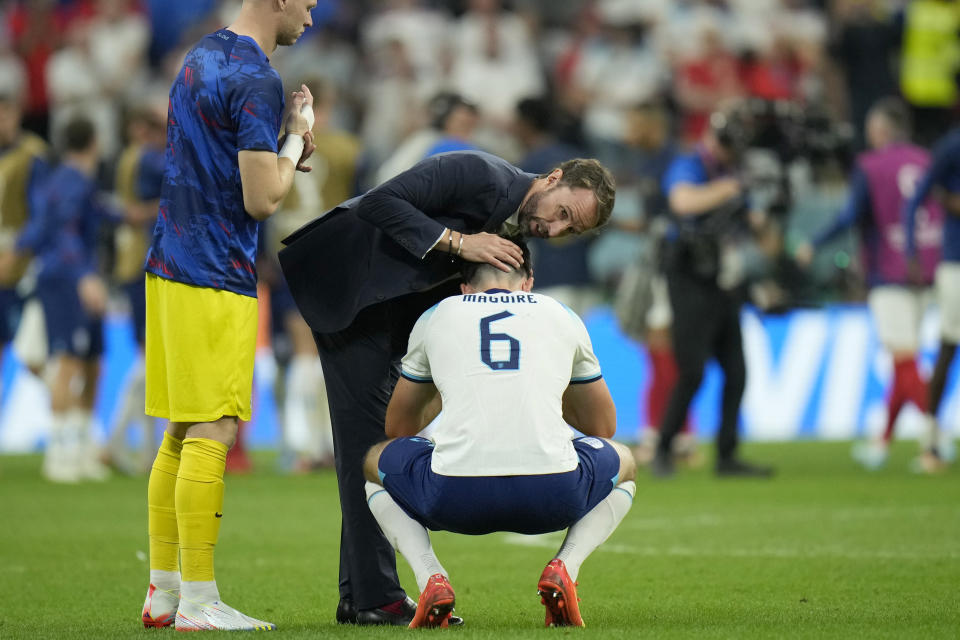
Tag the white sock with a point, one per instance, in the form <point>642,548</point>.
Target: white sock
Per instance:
<point>200,592</point>
<point>54,453</point>
<point>74,436</point>
<point>591,530</point>
<point>407,536</point>
<point>298,406</point>
<point>168,581</point>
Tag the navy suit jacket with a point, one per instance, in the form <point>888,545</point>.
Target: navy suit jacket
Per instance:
<point>376,247</point>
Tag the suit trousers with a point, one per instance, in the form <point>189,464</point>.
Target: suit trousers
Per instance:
<point>361,365</point>
<point>706,324</point>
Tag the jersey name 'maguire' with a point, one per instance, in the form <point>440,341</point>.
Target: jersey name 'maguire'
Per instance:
<point>505,298</point>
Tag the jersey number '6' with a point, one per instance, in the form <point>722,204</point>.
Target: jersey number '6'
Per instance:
<point>487,338</point>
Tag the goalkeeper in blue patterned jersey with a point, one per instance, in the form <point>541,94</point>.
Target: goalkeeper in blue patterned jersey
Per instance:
<point>225,173</point>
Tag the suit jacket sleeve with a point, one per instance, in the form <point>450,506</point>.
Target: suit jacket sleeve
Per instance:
<point>404,207</point>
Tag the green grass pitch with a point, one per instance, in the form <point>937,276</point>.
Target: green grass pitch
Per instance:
<point>825,550</point>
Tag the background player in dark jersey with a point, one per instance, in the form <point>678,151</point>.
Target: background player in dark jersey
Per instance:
<point>884,179</point>
<point>223,176</point>
<point>63,235</point>
<point>943,176</point>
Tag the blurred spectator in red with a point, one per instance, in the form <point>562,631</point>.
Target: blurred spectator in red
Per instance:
<point>35,31</point>
<point>704,80</point>
<point>771,72</point>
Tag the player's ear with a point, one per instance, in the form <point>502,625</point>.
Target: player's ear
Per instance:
<point>527,284</point>
<point>464,288</point>
<point>554,176</point>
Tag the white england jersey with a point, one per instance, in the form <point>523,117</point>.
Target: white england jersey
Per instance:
<point>501,361</point>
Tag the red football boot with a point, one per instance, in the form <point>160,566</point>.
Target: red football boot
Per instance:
<point>558,593</point>
<point>435,604</point>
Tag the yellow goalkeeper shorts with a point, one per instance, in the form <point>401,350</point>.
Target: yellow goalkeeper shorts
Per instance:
<point>200,347</point>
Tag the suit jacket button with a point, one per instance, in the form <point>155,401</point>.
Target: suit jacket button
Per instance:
<point>380,296</point>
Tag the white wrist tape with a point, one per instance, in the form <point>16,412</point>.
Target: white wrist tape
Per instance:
<point>307,112</point>
<point>292,148</point>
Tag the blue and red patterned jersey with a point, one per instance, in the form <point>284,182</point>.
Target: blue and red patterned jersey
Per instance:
<point>226,99</point>
<point>62,231</point>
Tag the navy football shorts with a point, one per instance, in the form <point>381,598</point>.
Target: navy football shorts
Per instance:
<point>11,307</point>
<point>70,329</point>
<point>477,505</point>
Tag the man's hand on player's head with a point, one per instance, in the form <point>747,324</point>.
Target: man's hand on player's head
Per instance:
<point>492,249</point>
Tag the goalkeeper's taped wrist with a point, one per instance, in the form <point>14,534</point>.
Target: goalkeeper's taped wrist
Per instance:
<point>307,112</point>
<point>292,148</point>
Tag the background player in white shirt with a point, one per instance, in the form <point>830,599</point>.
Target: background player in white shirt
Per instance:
<point>511,370</point>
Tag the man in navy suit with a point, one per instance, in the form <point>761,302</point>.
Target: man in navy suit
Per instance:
<point>364,272</point>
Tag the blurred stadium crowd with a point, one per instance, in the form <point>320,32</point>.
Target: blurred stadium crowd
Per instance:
<point>630,82</point>
<point>627,81</point>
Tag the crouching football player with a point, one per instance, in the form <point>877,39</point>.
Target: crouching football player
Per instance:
<point>511,370</point>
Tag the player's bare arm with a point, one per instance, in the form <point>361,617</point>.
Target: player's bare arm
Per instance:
<point>266,177</point>
<point>589,408</point>
<point>412,407</point>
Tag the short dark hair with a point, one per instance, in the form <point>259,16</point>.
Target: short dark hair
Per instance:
<point>895,111</point>
<point>587,173</point>
<point>78,134</point>
<point>474,271</point>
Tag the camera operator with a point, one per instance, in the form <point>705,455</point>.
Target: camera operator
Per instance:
<point>708,208</point>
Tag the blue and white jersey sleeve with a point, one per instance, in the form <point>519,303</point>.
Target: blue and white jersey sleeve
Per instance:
<point>415,365</point>
<point>586,367</point>
<point>257,106</point>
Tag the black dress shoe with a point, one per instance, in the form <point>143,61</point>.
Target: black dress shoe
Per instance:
<point>738,468</point>
<point>347,613</point>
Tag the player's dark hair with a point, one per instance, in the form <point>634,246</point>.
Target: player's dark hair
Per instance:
<point>78,134</point>
<point>473,272</point>
<point>587,173</point>
<point>895,112</point>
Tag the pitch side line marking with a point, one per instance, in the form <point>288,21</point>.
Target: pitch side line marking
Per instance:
<point>553,540</point>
